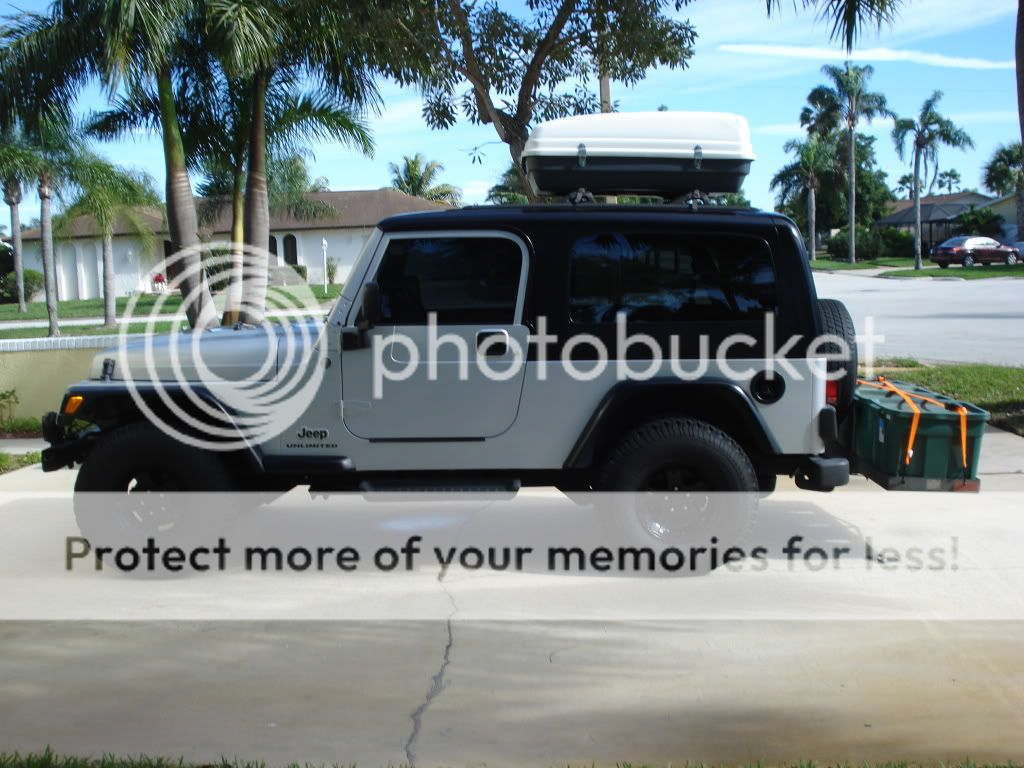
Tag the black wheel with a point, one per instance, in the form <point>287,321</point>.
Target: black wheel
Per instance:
<point>689,483</point>
<point>836,321</point>
<point>968,261</point>
<point>129,489</point>
<point>944,265</point>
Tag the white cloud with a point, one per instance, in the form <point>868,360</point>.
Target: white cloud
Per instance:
<point>991,116</point>
<point>867,54</point>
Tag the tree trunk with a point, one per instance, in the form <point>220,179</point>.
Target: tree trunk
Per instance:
<point>109,295</point>
<point>852,202</point>
<point>811,222</point>
<point>257,209</point>
<point>46,244</point>
<point>13,199</point>
<point>516,144</point>
<point>182,224</point>
<point>233,294</point>
<point>917,208</point>
<point>1019,51</point>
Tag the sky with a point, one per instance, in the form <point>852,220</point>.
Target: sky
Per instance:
<point>744,62</point>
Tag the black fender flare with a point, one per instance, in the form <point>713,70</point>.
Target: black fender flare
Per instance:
<point>629,403</point>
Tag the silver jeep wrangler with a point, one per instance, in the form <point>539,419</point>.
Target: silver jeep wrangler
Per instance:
<point>586,346</point>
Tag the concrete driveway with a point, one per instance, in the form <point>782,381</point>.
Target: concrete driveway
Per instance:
<point>943,319</point>
<point>462,689</point>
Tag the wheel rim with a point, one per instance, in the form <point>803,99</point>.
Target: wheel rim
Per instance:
<point>148,506</point>
<point>673,501</point>
<point>968,261</point>
<point>1011,259</point>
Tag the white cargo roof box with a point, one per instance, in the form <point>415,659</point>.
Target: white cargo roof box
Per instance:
<point>661,153</point>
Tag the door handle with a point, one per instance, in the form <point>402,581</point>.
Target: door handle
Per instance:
<point>488,336</point>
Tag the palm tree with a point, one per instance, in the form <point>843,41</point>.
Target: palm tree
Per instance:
<point>263,42</point>
<point>949,179</point>
<point>106,194</point>
<point>509,190</point>
<point>926,133</point>
<point>417,176</point>
<point>905,186</point>
<point>47,58</point>
<point>215,128</point>
<point>1004,173</point>
<point>17,168</point>
<point>815,160</point>
<point>844,104</point>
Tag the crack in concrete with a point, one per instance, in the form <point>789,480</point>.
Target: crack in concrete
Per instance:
<point>437,683</point>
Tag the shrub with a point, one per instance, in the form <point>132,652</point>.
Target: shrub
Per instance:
<point>301,269</point>
<point>872,243</point>
<point>332,270</point>
<point>9,286</point>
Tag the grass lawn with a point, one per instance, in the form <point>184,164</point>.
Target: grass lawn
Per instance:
<point>997,389</point>
<point>86,330</point>
<point>144,305</point>
<point>10,462</point>
<point>830,264</point>
<point>970,273</point>
<point>48,760</point>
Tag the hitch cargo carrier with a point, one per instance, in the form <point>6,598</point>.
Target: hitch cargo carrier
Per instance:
<point>909,438</point>
<point>667,154</point>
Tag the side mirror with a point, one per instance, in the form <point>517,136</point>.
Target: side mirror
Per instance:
<point>371,314</point>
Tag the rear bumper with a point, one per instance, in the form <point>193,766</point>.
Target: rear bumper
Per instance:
<point>822,473</point>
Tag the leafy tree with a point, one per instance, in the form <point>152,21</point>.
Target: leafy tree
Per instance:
<point>1004,174</point>
<point>417,176</point>
<point>510,189</point>
<point>48,57</point>
<point>536,65</point>
<point>949,179</point>
<point>979,221</point>
<point>930,130</point>
<point>107,194</point>
<point>815,161</point>
<point>843,104</point>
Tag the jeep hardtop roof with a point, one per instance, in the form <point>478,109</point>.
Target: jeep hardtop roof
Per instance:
<point>512,215</point>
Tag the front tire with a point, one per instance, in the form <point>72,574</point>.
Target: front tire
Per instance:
<point>1011,259</point>
<point>129,490</point>
<point>968,261</point>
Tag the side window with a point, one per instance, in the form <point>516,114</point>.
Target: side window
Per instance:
<point>670,278</point>
<point>465,280</point>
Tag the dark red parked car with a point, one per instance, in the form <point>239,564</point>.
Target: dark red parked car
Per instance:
<point>973,249</point>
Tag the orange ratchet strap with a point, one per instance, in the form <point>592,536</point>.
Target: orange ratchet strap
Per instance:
<point>908,398</point>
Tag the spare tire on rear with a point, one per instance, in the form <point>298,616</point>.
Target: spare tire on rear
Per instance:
<point>836,322</point>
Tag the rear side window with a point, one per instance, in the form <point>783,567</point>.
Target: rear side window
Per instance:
<point>465,280</point>
<point>670,278</point>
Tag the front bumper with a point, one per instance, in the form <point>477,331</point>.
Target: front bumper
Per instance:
<point>65,450</point>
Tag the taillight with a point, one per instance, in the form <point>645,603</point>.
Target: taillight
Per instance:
<point>832,391</point>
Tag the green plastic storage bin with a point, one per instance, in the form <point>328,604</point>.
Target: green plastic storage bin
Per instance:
<point>882,421</point>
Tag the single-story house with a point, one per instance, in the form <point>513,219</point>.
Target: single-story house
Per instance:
<point>938,215</point>
<point>1006,207</point>
<point>294,241</point>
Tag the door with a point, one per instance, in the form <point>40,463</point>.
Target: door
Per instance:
<point>447,360</point>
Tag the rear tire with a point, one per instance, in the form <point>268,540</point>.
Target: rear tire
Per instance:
<point>683,483</point>
<point>836,321</point>
<point>943,265</point>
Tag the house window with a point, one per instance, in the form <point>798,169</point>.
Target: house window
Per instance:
<point>291,250</point>
<point>272,247</point>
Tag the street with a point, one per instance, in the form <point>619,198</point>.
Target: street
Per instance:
<point>940,320</point>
